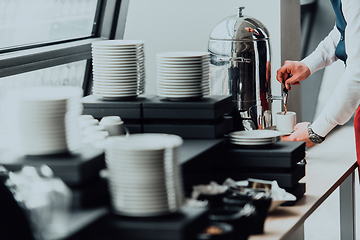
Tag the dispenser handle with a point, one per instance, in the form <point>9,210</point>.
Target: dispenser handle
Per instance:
<point>240,14</point>
<point>233,59</point>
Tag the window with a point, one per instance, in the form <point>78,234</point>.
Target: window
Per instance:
<point>24,22</point>
<point>48,42</point>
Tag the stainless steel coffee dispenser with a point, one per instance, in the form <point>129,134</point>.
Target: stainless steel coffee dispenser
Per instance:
<point>240,66</point>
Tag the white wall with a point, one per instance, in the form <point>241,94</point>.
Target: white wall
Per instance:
<point>173,25</point>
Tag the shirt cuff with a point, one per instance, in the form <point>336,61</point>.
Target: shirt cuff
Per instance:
<point>322,127</point>
<point>313,63</point>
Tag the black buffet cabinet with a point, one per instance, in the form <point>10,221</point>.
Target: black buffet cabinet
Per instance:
<point>205,118</point>
<point>282,161</point>
<point>182,225</point>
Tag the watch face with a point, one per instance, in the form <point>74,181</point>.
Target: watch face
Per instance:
<point>314,138</point>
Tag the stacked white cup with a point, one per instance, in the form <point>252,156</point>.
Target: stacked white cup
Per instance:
<point>92,132</point>
<point>114,125</point>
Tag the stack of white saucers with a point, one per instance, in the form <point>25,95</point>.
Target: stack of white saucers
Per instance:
<point>255,137</point>
<point>144,174</point>
<point>183,75</point>
<point>43,120</point>
<point>118,68</point>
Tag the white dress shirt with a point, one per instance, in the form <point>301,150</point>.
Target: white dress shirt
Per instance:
<point>346,97</point>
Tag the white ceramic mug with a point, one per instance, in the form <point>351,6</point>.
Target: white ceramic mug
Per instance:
<point>286,123</point>
<point>88,123</point>
<point>114,125</point>
<point>89,131</point>
<point>111,119</point>
<point>85,117</point>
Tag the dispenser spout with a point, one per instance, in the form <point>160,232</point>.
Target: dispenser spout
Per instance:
<point>285,93</point>
<point>285,97</point>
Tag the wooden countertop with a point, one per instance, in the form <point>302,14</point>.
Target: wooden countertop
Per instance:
<point>328,165</point>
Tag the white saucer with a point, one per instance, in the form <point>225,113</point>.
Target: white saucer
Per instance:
<point>285,133</point>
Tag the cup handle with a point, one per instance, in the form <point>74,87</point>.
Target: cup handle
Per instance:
<point>127,132</point>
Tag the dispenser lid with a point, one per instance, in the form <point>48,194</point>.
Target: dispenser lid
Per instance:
<point>239,27</point>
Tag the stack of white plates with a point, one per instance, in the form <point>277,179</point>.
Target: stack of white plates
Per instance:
<point>118,68</point>
<point>255,137</point>
<point>144,177</point>
<point>183,75</point>
<point>43,120</point>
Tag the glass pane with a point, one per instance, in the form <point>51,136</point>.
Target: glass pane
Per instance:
<point>24,22</point>
<point>71,74</point>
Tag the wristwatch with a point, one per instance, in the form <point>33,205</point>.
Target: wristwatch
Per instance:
<point>315,138</point>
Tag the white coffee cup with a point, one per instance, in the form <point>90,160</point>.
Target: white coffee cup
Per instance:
<point>113,124</point>
<point>93,129</point>
<point>95,136</point>
<point>286,123</point>
<point>88,123</point>
<point>85,117</point>
<point>111,119</point>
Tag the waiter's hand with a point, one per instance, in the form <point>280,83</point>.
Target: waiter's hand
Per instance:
<point>300,134</point>
<point>299,71</point>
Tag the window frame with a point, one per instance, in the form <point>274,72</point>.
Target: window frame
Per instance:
<point>111,16</point>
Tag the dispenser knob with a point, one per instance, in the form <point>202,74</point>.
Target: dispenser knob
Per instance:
<point>240,11</point>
